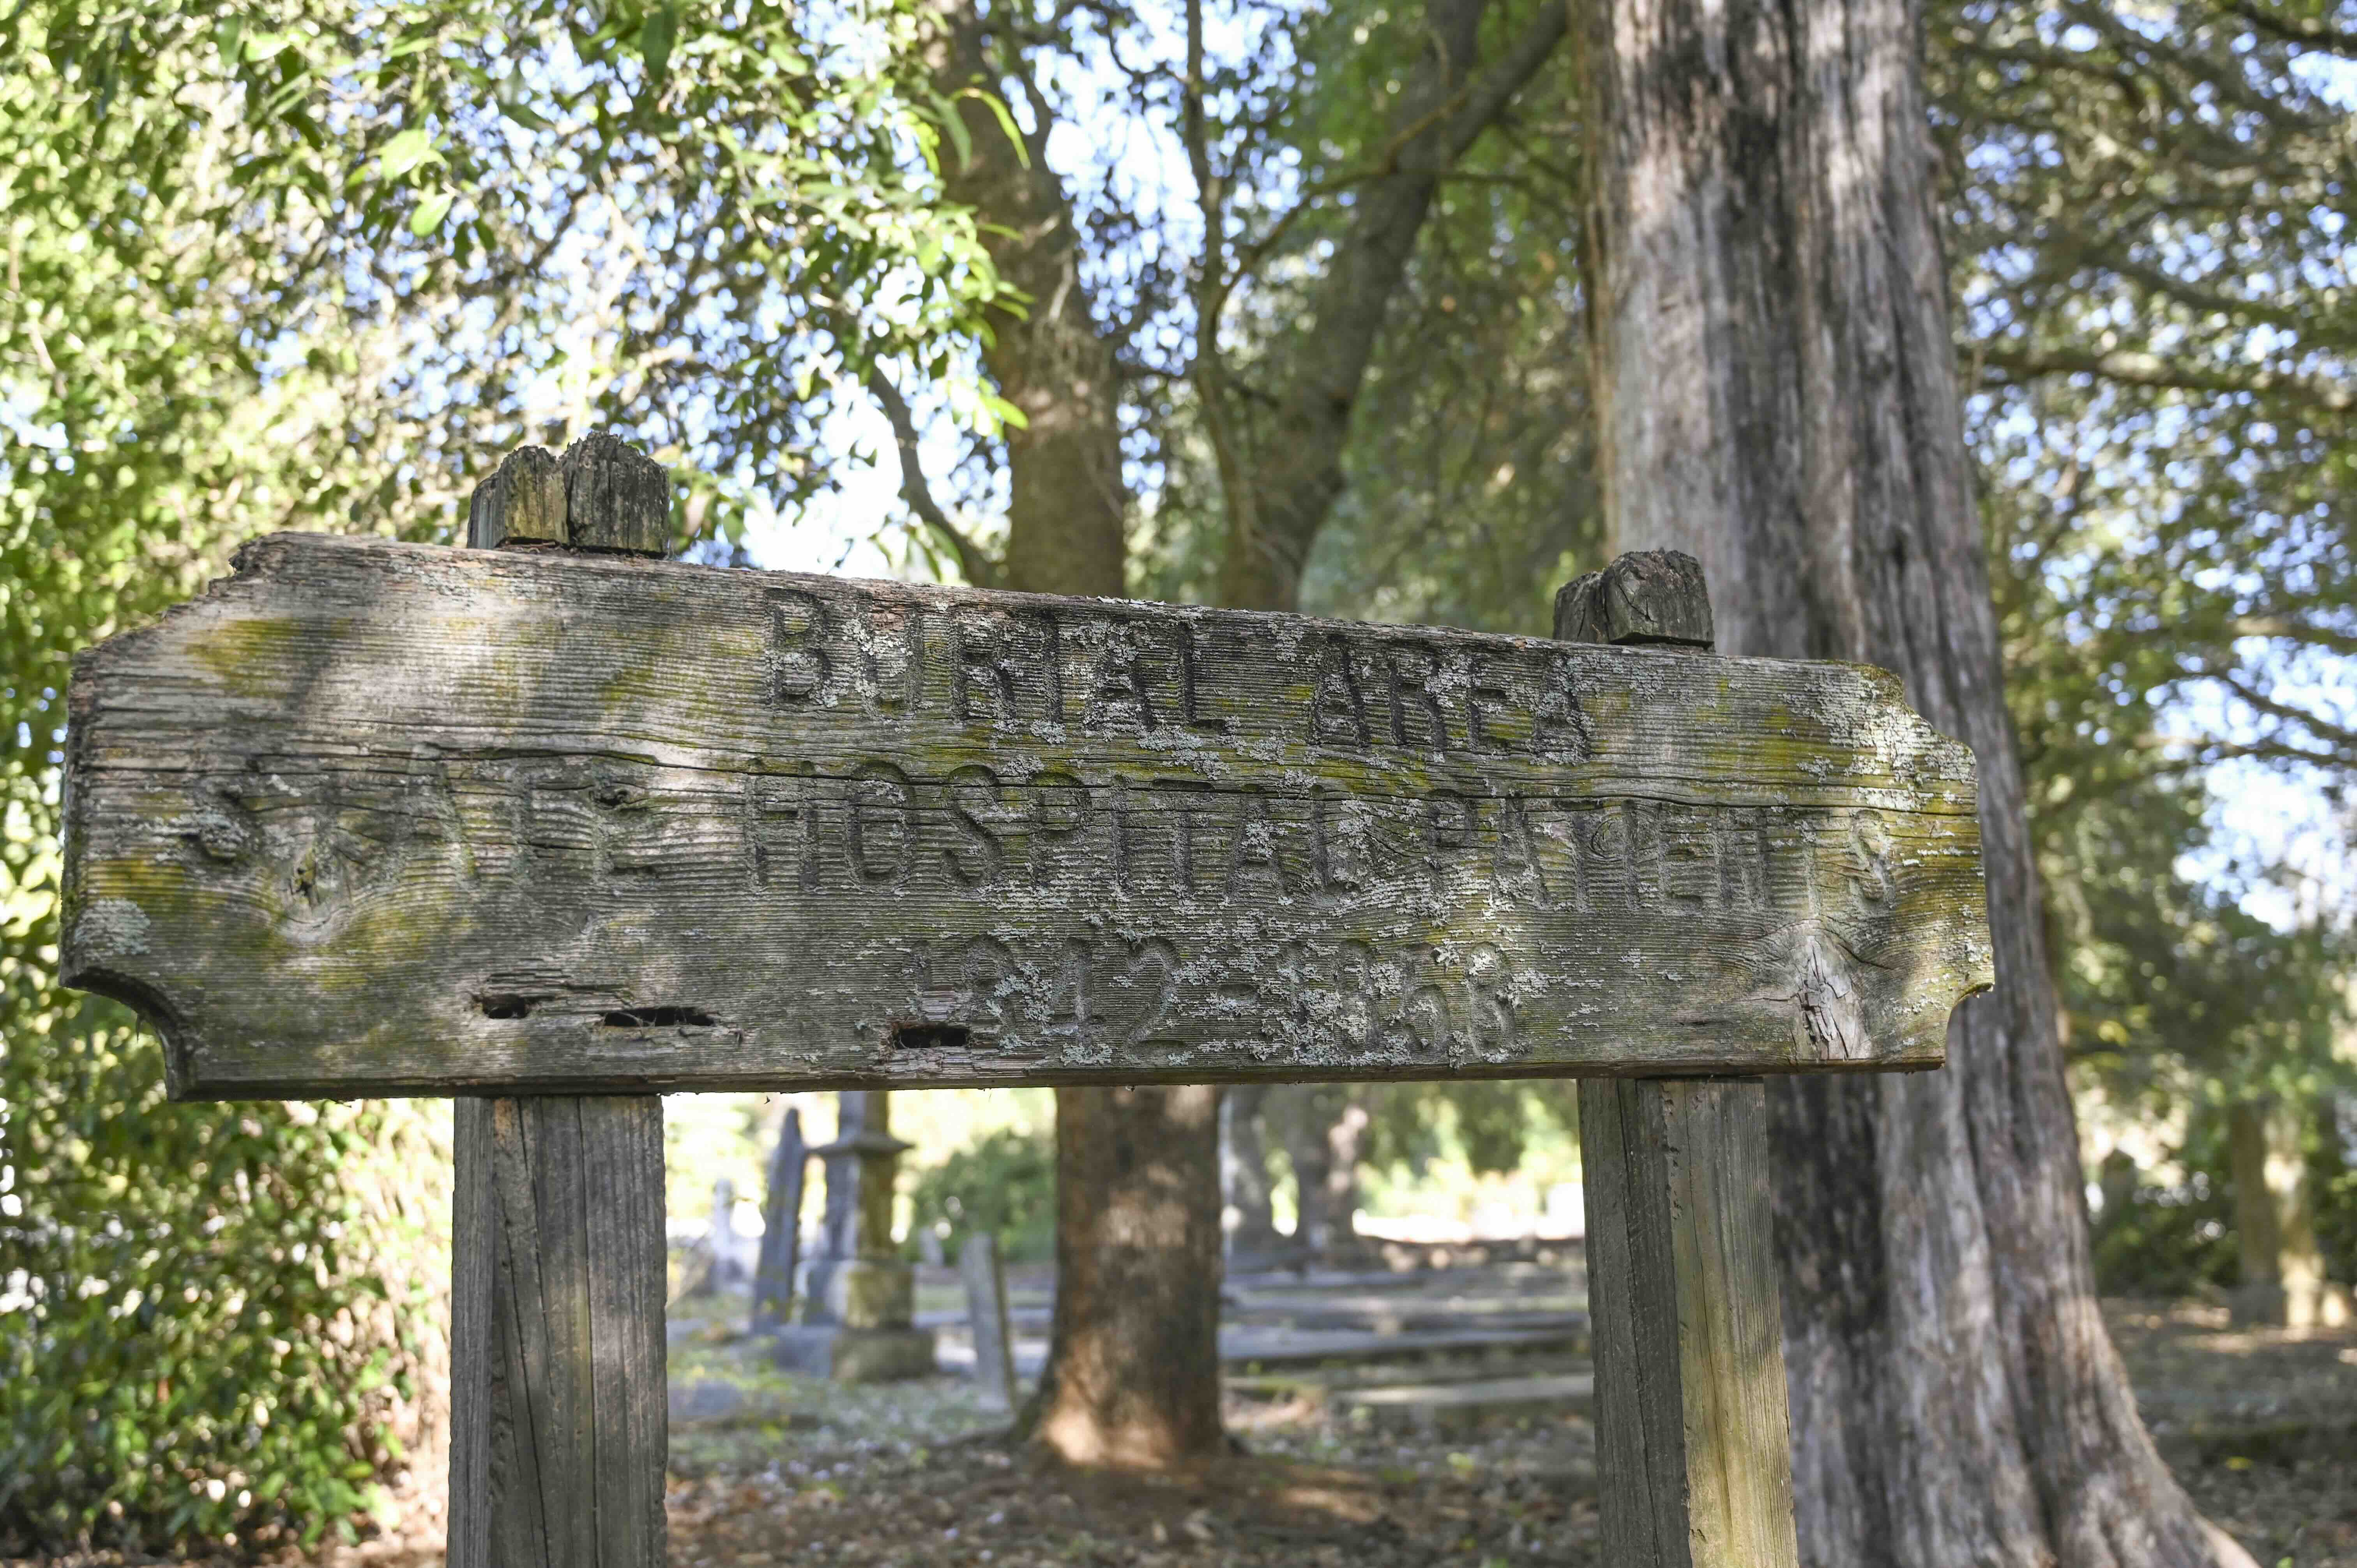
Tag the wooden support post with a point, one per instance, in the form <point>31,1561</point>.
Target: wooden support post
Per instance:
<point>1694,1441</point>
<point>560,1413</point>
<point>1694,1450</point>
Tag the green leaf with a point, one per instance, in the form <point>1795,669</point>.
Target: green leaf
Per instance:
<point>655,40</point>
<point>431,212</point>
<point>954,124</point>
<point>407,151</point>
<point>1005,122</point>
<point>523,114</point>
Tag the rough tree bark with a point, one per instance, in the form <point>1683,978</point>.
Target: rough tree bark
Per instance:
<point>1778,397</point>
<point>1132,1377</point>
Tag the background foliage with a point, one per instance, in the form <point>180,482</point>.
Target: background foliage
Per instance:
<point>318,264</point>
<point>1002,1183</point>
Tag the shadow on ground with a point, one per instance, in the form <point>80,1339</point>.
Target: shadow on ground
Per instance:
<point>768,1468</point>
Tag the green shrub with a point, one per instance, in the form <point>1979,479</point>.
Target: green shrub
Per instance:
<point>1006,1184</point>
<point>2167,1240</point>
<point>220,1323</point>
<point>2156,1239</point>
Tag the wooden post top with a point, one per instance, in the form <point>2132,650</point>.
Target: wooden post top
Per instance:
<point>1644,596</point>
<point>371,817</point>
<point>603,494</point>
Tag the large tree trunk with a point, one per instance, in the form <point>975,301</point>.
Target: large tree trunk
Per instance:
<point>1133,1356</point>
<point>1133,1360</point>
<point>1778,397</point>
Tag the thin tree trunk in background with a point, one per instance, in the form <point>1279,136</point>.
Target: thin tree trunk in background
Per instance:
<point>1132,1361</point>
<point>1066,501</point>
<point>1245,1175</point>
<point>1280,450</point>
<point>1133,1366</point>
<point>1776,396</point>
<point>1322,1126</point>
<point>2275,1219</point>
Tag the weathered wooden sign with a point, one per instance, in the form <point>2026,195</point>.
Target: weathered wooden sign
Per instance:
<point>372,817</point>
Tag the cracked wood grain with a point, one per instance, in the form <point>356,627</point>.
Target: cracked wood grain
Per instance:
<point>372,817</point>
<point>1693,1454</point>
<point>558,1403</point>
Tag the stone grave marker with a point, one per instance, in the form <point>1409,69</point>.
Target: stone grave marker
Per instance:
<point>781,1218</point>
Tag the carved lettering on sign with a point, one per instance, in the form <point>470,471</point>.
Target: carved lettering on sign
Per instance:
<point>1060,811</point>
<point>1416,713</point>
<point>374,817</point>
<point>776,818</point>
<point>1136,675</point>
<point>982,681</point>
<point>1338,711</point>
<point>801,667</point>
<point>880,831</point>
<point>978,855</point>
<point>1121,683</point>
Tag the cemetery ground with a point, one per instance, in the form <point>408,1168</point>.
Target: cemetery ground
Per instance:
<point>2259,1425</point>
<point>769,1468</point>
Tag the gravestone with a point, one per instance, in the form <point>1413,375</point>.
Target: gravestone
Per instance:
<point>728,1268</point>
<point>984,1275</point>
<point>781,1219</point>
<point>841,1172</point>
<point>859,1300</point>
<point>559,827</point>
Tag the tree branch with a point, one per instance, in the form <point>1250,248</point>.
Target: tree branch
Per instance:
<point>973,560</point>
<point>2152,370</point>
<point>1469,112</point>
<point>1485,100</point>
<point>1213,284</point>
<point>2285,29</point>
<point>2283,628</point>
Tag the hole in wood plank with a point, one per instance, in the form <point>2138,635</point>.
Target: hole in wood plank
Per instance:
<point>657,1018</point>
<point>506,1007</point>
<point>932,1037</point>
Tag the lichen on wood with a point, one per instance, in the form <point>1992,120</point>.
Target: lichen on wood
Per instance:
<point>465,820</point>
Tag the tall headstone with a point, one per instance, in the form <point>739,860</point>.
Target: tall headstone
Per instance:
<point>727,1269</point>
<point>984,1275</point>
<point>838,1232</point>
<point>858,1324</point>
<point>781,1219</point>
